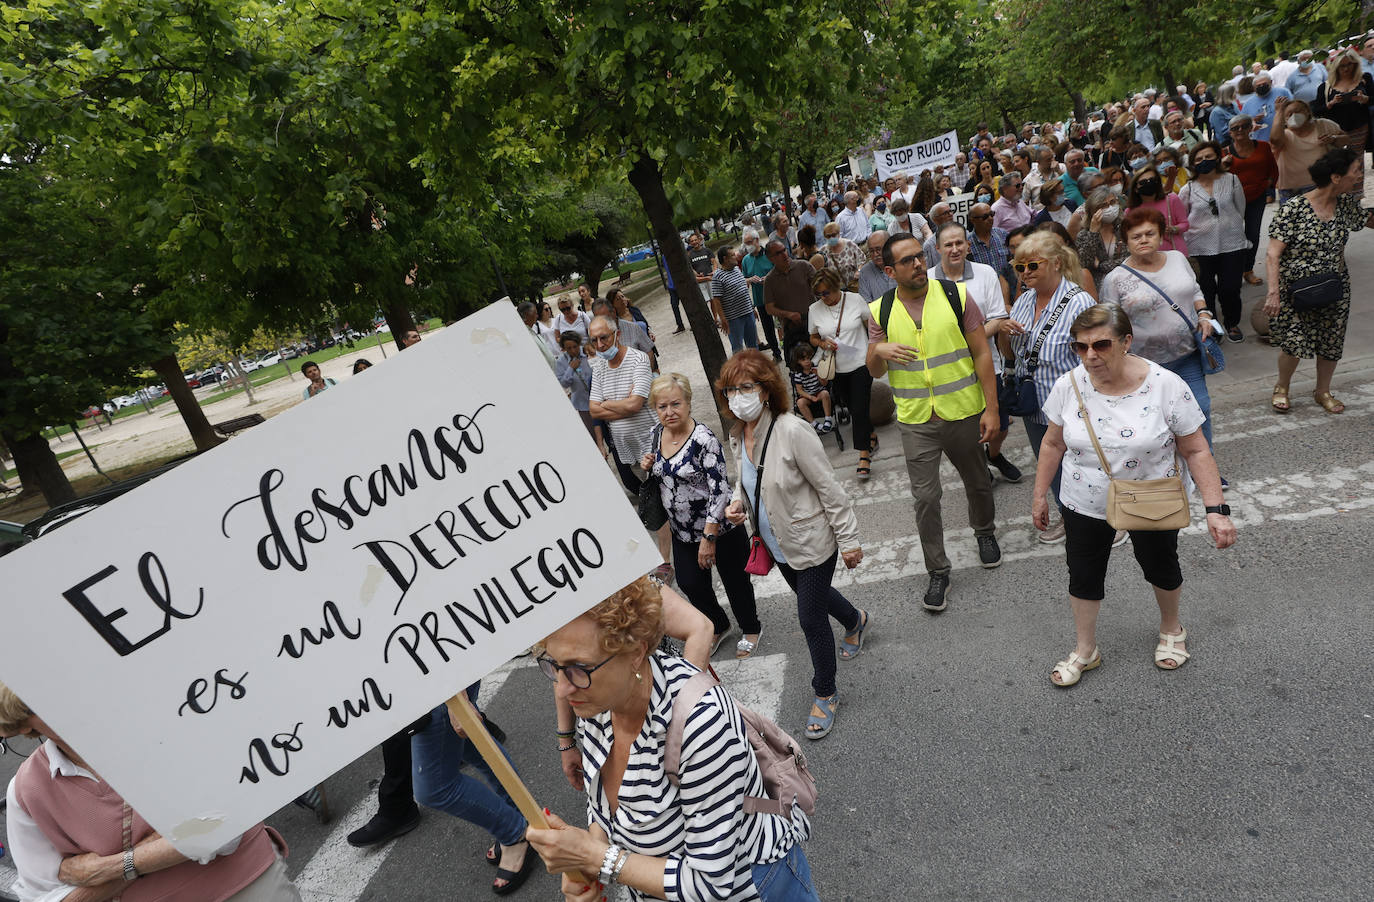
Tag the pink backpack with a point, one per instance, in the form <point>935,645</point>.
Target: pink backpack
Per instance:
<point>781,762</point>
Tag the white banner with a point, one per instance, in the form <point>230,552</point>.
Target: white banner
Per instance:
<point>913,158</point>
<point>223,638</point>
<point>959,205</point>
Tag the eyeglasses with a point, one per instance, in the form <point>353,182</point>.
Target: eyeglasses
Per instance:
<point>1031,265</point>
<point>565,309</point>
<point>913,260</point>
<point>742,388</point>
<point>603,340</point>
<point>1101,346</point>
<point>579,675</point>
<point>980,216</point>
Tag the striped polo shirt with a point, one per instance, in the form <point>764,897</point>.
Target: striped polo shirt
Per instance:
<point>733,290</point>
<point>700,826</point>
<point>1056,357</point>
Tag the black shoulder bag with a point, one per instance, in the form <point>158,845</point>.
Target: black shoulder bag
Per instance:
<point>651,511</point>
<point>1016,394</point>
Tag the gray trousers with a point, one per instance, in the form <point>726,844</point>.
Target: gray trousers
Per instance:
<point>923,443</point>
<point>272,886</point>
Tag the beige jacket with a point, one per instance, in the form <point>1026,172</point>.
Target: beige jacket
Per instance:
<point>808,510</point>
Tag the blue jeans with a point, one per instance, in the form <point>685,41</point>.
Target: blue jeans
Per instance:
<point>1287,194</point>
<point>438,756</point>
<point>744,333</point>
<point>1036,432</point>
<point>786,880</point>
<point>1189,369</point>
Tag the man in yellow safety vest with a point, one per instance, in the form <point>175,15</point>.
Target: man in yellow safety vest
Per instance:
<point>930,341</point>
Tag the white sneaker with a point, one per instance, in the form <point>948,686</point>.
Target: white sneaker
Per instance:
<point>1054,535</point>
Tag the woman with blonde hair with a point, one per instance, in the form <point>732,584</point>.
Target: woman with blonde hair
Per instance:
<point>689,463</point>
<point>1039,329</point>
<point>688,834</point>
<point>1344,99</point>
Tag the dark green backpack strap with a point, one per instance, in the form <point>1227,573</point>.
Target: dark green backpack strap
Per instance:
<point>956,303</point>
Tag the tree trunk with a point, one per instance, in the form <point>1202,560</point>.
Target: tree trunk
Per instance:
<point>202,433</point>
<point>647,179</point>
<point>39,470</point>
<point>1080,108</point>
<point>237,364</point>
<point>397,313</point>
<point>782,177</point>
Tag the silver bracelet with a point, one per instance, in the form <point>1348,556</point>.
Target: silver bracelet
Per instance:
<point>608,863</point>
<point>620,865</point>
<point>130,873</point>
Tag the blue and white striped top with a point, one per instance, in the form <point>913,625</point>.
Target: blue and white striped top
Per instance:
<point>1056,357</point>
<point>700,827</point>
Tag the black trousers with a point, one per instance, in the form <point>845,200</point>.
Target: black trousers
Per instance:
<point>856,387</point>
<point>770,331</point>
<point>396,792</point>
<point>1088,548</point>
<point>732,553</point>
<point>1219,276</point>
<point>817,602</point>
<point>677,306</point>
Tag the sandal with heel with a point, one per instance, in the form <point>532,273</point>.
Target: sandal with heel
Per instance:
<point>1168,650</point>
<point>1279,400</point>
<point>1073,667</point>
<point>819,725</point>
<point>1328,402</point>
<point>865,468</point>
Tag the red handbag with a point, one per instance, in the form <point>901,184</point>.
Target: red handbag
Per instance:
<point>760,561</point>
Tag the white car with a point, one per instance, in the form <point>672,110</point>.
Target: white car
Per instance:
<point>124,401</point>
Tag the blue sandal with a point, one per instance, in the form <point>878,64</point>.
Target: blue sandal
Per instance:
<point>825,723</point>
<point>850,650</point>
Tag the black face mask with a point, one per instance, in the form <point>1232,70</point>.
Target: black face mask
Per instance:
<point>1148,188</point>
<point>1262,90</point>
<point>1204,167</point>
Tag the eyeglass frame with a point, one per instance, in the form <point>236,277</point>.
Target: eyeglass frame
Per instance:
<point>742,388</point>
<point>1081,348</point>
<point>569,669</point>
<point>1029,265</point>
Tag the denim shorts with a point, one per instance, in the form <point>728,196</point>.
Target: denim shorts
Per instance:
<point>786,880</point>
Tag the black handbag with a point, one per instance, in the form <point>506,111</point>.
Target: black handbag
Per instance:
<point>1316,292</point>
<point>651,511</point>
<point>1015,393</point>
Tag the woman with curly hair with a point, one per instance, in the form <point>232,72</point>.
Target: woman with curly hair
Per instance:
<point>693,837</point>
<point>800,514</point>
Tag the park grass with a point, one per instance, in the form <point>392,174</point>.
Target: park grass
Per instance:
<point>21,507</point>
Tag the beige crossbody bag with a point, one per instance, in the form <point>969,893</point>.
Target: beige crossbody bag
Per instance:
<point>1146,504</point>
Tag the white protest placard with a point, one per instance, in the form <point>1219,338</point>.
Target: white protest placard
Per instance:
<point>959,205</point>
<point>927,154</point>
<point>217,641</point>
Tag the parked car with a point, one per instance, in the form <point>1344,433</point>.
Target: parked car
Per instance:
<point>124,401</point>
<point>192,381</point>
<point>288,353</point>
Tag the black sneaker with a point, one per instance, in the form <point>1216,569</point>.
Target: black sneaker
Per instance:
<point>1234,334</point>
<point>382,829</point>
<point>937,593</point>
<point>1008,469</point>
<point>989,552</point>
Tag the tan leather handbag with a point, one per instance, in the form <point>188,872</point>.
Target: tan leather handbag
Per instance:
<point>1152,505</point>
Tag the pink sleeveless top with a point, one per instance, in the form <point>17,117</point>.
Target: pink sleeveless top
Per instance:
<point>78,815</point>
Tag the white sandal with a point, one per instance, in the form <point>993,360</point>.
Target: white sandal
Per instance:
<point>1168,649</point>
<point>1073,667</point>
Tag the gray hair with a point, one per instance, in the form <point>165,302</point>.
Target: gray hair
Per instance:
<point>1110,315</point>
<point>940,208</point>
<point>1240,120</point>
<point>606,321</point>
<point>1226,94</point>
<point>524,308</point>
<point>1097,199</point>
<point>1085,180</point>
<point>751,233</point>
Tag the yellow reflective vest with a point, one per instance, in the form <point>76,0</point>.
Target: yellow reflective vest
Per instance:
<point>942,379</point>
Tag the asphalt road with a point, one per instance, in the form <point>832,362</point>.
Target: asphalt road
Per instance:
<point>957,771</point>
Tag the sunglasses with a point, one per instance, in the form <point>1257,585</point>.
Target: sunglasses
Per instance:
<point>1212,205</point>
<point>742,388</point>
<point>1031,265</point>
<point>579,675</point>
<point>981,216</point>
<point>1101,346</point>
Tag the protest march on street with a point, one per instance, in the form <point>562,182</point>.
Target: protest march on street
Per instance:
<point>809,582</point>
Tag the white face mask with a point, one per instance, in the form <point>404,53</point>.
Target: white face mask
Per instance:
<point>1297,120</point>
<point>746,407</point>
<point>1118,190</point>
<point>1109,214</point>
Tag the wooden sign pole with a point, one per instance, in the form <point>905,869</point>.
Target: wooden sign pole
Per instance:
<point>463,711</point>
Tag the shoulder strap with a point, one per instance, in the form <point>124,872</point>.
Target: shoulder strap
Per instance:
<point>1088,422</point>
<point>1168,300</point>
<point>758,471</point>
<point>956,303</point>
<point>687,698</point>
<point>885,308</point>
<point>1033,358</point>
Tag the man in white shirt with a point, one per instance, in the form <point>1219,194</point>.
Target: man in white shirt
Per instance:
<point>1286,67</point>
<point>1156,111</point>
<point>853,222</point>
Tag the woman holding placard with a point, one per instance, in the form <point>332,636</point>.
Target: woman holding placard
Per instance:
<point>72,837</point>
<point>679,832</point>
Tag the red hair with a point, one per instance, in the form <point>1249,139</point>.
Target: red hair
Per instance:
<point>1139,216</point>
<point>754,366</point>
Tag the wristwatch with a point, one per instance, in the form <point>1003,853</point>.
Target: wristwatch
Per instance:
<point>1223,509</point>
<point>710,538</point>
<point>130,873</point>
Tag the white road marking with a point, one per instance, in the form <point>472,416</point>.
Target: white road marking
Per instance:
<point>338,872</point>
